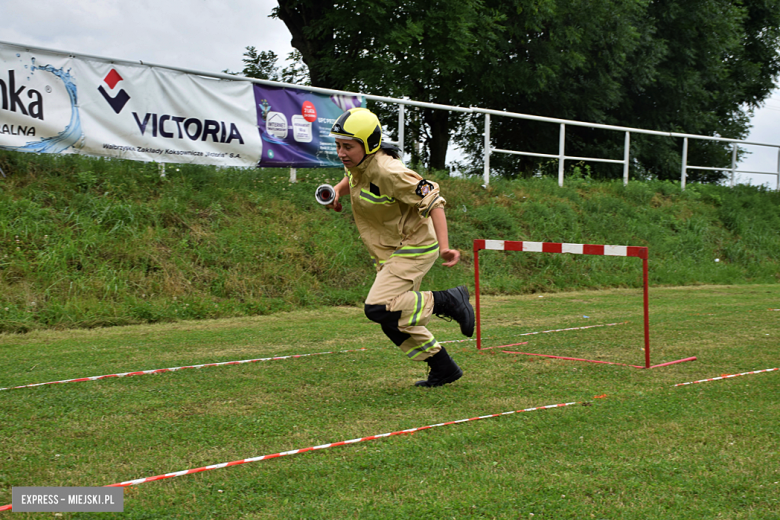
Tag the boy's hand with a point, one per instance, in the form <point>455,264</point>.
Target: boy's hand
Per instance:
<point>450,256</point>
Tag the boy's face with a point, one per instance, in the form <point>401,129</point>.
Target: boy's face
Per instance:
<point>350,152</point>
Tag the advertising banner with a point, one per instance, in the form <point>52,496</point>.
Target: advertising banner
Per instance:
<point>61,104</point>
<point>37,100</point>
<point>295,126</point>
<point>151,114</point>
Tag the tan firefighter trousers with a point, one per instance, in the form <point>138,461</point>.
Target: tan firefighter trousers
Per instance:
<point>395,301</point>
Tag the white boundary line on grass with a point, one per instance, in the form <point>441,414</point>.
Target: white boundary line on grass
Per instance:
<point>135,482</point>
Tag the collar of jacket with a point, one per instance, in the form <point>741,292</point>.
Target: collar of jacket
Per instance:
<point>361,168</point>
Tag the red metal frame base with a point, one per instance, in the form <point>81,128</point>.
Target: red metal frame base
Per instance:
<point>590,360</point>
<point>577,249</point>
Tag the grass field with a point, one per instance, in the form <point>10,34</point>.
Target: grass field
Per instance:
<point>634,447</point>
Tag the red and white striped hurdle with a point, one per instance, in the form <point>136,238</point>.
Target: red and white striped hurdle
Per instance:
<point>574,249</point>
<point>561,247</point>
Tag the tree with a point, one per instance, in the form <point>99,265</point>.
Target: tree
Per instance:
<point>429,56</point>
<point>296,72</point>
<point>420,49</point>
<point>262,65</point>
<point>311,37</point>
<point>692,66</point>
<point>717,62</point>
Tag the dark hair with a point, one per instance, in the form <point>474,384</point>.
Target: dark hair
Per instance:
<point>390,149</point>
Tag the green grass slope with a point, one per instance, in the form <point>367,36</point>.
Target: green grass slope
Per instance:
<point>93,242</point>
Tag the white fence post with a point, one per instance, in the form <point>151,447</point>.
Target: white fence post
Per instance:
<point>684,173</point>
<point>293,175</point>
<point>486,175</point>
<point>561,153</point>
<point>626,153</point>
<point>733,162</point>
<point>401,123</point>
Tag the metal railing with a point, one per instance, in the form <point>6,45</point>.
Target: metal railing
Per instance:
<point>562,157</point>
<point>488,149</point>
<point>733,169</point>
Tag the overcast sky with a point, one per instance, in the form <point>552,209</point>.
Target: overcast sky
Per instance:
<point>211,36</point>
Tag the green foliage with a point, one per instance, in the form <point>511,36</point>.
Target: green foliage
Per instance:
<point>94,242</point>
<point>260,65</point>
<point>691,66</point>
<point>666,65</point>
<point>263,65</point>
<point>416,48</point>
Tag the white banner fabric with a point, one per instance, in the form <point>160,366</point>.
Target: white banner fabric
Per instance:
<point>52,103</point>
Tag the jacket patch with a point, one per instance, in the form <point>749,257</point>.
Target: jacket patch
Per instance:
<point>424,188</point>
<point>373,188</point>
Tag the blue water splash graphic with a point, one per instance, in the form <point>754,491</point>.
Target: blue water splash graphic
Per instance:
<point>274,140</point>
<point>71,134</point>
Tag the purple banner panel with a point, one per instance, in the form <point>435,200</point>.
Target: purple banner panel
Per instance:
<point>295,126</point>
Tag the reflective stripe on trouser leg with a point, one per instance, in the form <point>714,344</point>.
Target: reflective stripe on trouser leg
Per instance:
<point>420,352</point>
<point>416,309</point>
<point>397,288</point>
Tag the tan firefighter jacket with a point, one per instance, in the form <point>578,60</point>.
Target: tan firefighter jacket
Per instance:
<point>391,205</point>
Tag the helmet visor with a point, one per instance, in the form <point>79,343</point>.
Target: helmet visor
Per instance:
<point>347,137</point>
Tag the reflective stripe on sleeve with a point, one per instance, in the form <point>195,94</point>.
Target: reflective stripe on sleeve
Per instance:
<point>430,207</point>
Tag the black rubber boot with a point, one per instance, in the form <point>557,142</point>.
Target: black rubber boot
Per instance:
<point>454,303</point>
<point>443,370</point>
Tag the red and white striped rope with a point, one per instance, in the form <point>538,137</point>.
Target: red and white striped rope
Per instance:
<point>538,332</point>
<point>226,363</point>
<point>573,328</point>
<point>458,340</point>
<point>174,369</point>
<point>561,247</point>
<point>135,482</point>
<point>728,376</point>
<point>324,446</point>
<point>555,330</point>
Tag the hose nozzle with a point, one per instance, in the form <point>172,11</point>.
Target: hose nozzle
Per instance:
<point>325,194</point>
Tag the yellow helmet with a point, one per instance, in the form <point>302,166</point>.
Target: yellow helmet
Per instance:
<point>361,125</point>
